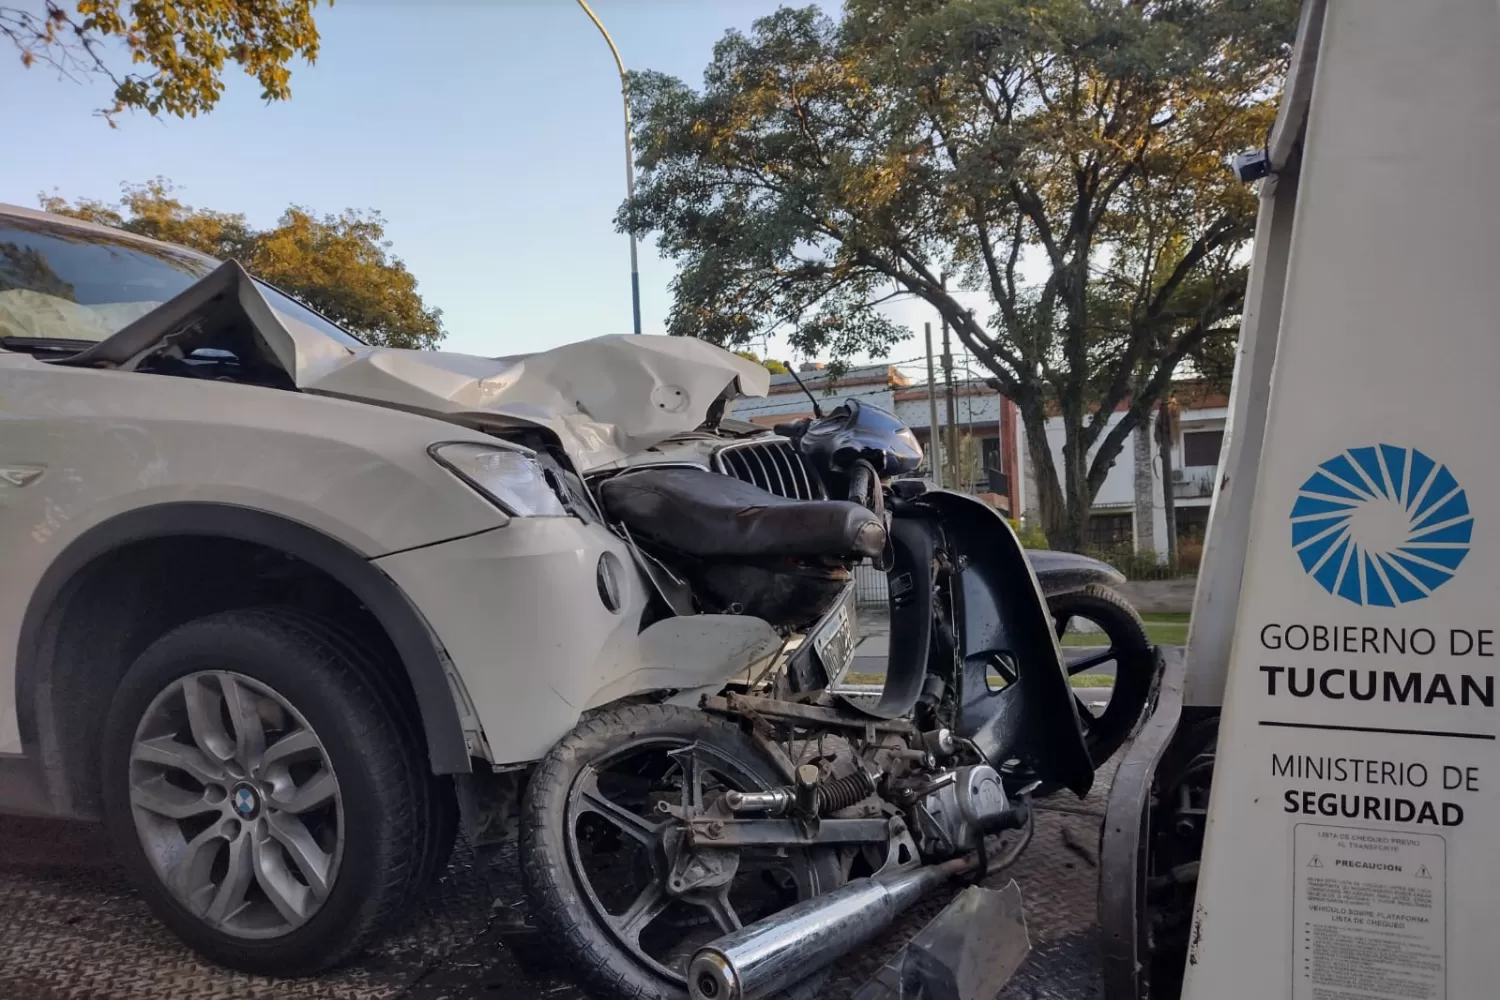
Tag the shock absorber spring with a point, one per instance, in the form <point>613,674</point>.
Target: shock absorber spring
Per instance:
<point>841,793</point>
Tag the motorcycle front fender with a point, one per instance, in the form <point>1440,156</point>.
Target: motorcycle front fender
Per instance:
<point>1001,614</point>
<point>1066,572</point>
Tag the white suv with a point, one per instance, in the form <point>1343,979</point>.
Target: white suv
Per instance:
<point>276,603</point>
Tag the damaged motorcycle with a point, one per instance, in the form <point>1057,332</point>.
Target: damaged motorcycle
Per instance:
<point>736,841</point>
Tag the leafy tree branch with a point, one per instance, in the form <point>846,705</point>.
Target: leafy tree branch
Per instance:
<point>1062,157</point>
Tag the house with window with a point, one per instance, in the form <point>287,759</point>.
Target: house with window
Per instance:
<point>987,423</point>
<point>1130,508</point>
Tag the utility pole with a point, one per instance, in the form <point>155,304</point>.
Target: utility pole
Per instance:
<point>934,437</point>
<point>953,448</point>
<point>635,271</point>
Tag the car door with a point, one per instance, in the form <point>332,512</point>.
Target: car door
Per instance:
<point>62,286</point>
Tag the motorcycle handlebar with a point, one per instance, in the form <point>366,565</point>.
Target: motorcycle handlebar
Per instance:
<point>793,429</point>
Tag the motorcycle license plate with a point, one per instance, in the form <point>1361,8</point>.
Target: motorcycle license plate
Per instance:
<point>835,638</point>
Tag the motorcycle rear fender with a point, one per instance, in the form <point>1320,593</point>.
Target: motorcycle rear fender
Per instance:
<point>1066,572</point>
<point>1001,611</point>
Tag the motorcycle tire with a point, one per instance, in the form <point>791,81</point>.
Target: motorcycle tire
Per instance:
<point>565,902</point>
<point>1134,659</point>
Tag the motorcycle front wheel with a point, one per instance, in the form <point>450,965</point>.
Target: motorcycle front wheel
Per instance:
<point>605,867</point>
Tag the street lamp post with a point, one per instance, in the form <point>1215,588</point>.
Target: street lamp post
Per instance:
<point>635,274</point>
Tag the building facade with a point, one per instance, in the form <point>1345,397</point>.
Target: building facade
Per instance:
<point>1130,508</point>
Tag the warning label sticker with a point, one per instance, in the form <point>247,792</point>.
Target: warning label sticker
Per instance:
<point>1368,908</point>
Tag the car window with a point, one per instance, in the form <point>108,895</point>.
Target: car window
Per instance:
<point>61,283</point>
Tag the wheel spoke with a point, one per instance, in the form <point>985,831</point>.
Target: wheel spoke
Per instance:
<point>1062,625</point>
<point>692,778</point>
<point>646,908</point>
<point>1002,667</point>
<point>156,795</point>
<point>316,791</point>
<point>203,707</point>
<point>638,828</point>
<point>311,860</point>
<point>191,875</point>
<point>230,897</point>
<point>290,747</point>
<point>249,730</point>
<point>1084,663</point>
<point>167,751</point>
<point>1085,712</point>
<point>722,910</point>
<point>292,899</point>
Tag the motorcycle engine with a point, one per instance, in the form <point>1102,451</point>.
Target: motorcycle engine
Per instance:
<point>969,803</point>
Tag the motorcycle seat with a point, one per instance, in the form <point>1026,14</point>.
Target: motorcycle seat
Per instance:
<point>712,516</point>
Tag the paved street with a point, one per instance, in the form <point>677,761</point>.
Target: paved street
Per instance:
<point>71,929</point>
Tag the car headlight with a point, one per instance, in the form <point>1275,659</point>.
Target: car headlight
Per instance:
<point>511,478</point>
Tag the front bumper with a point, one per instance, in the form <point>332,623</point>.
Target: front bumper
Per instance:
<point>518,610</point>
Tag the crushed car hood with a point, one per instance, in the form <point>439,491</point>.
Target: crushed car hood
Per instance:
<point>604,399</point>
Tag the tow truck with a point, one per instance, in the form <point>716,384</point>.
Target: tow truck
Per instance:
<point>1310,810</point>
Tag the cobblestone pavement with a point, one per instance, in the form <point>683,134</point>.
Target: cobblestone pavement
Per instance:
<point>71,929</point>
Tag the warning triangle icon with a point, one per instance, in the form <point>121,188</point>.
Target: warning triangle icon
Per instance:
<point>1315,863</point>
<point>1422,872</point>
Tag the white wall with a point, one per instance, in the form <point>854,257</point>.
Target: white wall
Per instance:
<point>1118,490</point>
<point>980,411</point>
<point>786,399</point>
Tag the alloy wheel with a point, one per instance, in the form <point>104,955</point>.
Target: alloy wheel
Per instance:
<point>236,804</point>
<point>658,898</point>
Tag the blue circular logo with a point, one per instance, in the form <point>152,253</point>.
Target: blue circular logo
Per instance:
<point>1381,526</point>
<point>246,802</point>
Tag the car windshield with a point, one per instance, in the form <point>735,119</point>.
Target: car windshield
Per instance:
<point>67,283</point>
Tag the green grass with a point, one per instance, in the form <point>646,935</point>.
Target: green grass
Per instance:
<point>1163,630</point>
<point>854,677</point>
<point>1168,629</point>
<point>1081,681</point>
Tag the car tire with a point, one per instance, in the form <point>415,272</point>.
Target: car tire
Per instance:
<point>439,826</point>
<point>286,672</point>
<point>1136,664</point>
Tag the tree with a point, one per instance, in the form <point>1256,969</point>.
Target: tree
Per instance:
<point>770,365</point>
<point>1062,157</point>
<point>340,265</point>
<point>185,43</point>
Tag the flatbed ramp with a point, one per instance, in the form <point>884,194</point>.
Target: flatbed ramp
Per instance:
<point>72,929</point>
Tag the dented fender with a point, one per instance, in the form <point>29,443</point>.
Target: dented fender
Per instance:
<point>1066,572</point>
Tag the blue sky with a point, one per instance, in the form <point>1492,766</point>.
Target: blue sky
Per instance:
<point>488,132</point>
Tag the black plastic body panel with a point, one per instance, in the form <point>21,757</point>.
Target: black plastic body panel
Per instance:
<point>1001,612</point>
<point>1124,924</point>
<point>910,585</point>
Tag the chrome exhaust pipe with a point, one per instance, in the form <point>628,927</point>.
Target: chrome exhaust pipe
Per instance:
<point>786,947</point>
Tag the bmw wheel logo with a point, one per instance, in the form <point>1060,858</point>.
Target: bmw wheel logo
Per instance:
<point>1381,526</point>
<point>246,802</point>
